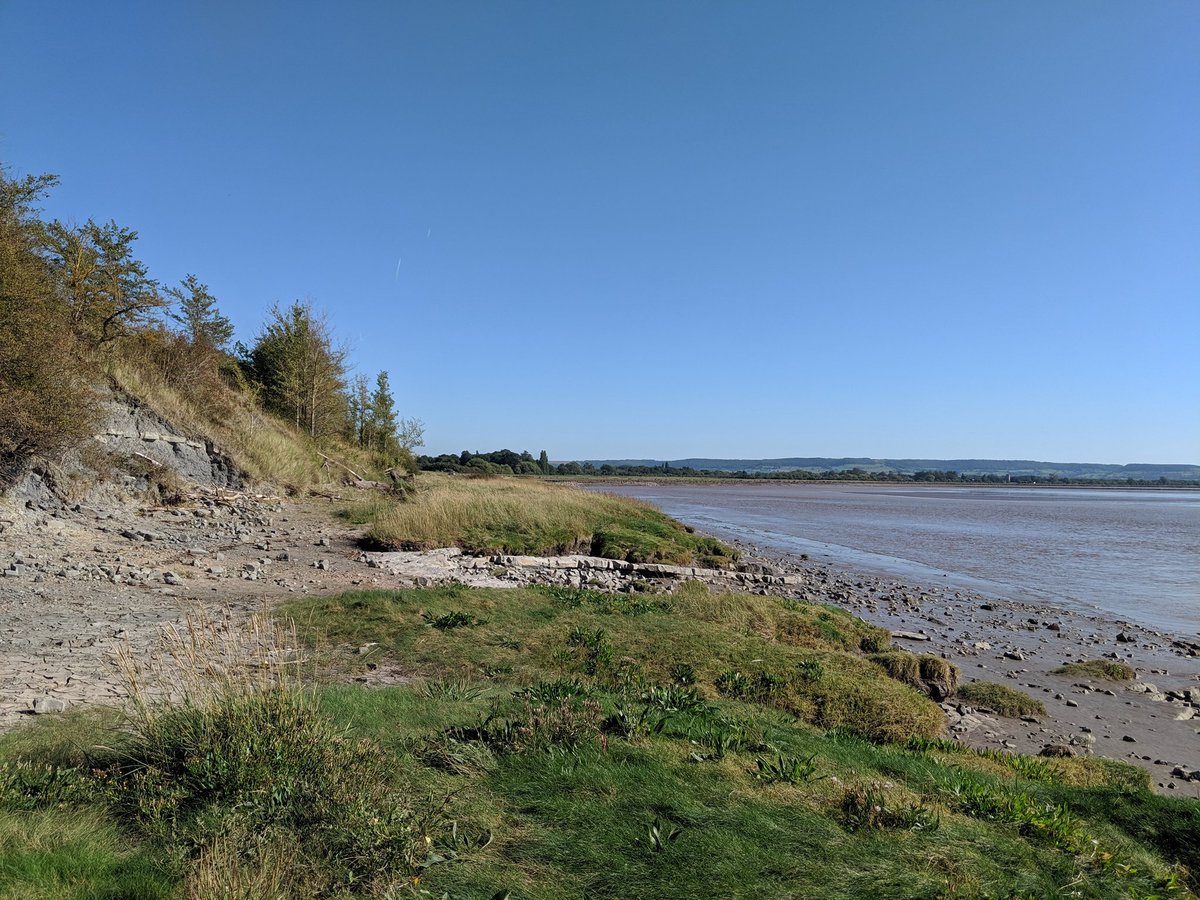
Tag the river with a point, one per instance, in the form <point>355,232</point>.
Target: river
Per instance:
<point>1131,554</point>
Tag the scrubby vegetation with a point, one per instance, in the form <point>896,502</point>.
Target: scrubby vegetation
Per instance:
<point>1005,700</point>
<point>1105,669</point>
<point>561,742</point>
<point>509,515</point>
<point>79,312</point>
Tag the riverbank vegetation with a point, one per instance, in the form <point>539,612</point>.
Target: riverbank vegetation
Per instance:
<point>559,742</point>
<point>531,517</point>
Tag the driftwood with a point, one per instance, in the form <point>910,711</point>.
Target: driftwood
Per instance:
<point>330,459</point>
<point>363,484</point>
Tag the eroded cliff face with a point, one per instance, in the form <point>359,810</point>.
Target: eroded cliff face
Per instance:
<point>132,429</point>
<point>134,455</point>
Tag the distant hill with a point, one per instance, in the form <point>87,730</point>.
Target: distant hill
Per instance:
<point>968,467</point>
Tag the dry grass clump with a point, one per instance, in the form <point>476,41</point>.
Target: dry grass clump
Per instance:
<point>526,516</point>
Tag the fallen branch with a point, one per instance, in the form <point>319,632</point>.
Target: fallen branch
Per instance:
<point>340,465</point>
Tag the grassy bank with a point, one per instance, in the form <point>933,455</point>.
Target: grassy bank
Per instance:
<point>551,742</point>
<point>529,516</point>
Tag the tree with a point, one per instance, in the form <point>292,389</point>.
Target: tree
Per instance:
<point>108,292</point>
<point>203,323</point>
<point>544,463</point>
<point>302,373</point>
<point>360,411</point>
<point>383,417</point>
<point>410,434</point>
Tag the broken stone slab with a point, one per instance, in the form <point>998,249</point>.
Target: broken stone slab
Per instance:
<point>909,636</point>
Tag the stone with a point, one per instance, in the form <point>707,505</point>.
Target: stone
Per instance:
<point>44,705</point>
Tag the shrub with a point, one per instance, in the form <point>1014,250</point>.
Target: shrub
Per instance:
<point>46,404</point>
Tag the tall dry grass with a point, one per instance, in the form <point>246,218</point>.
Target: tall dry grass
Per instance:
<point>234,770</point>
<point>209,660</point>
<point>266,447</point>
<point>529,516</point>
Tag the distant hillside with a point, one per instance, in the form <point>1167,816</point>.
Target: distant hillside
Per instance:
<point>968,467</point>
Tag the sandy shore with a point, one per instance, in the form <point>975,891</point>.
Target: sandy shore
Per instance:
<point>1020,644</point>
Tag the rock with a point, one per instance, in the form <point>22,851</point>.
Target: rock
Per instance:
<point>44,705</point>
<point>910,636</point>
<point>1123,638</point>
<point>172,579</point>
<point>1129,739</point>
<point>1014,654</point>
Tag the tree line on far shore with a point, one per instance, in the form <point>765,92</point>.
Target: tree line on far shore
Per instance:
<point>508,462</point>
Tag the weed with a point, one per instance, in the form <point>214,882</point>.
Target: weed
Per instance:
<point>760,687</point>
<point>660,834</point>
<point>810,670</point>
<point>787,769</point>
<point>451,620</point>
<point>452,689</point>
<point>556,691</point>
<point>683,673</point>
<point>568,722</point>
<point>597,652</point>
<point>870,807</point>
<point>608,603</point>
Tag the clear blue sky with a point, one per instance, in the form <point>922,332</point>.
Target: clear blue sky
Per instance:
<point>651,229</point>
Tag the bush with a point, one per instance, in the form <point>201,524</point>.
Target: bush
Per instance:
<point>46,404</point>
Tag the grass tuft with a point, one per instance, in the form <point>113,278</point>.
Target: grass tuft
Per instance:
<point>1104,669</point>
<point>1005,700</point>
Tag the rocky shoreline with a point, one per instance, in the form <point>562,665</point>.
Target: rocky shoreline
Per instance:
<point>79,582</point>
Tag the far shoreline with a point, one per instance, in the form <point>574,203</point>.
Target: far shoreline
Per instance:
<point>922,485</point>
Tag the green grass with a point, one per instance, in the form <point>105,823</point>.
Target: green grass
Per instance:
<point>1005,700</point>
<point>1104,669</point>
<point>531,517</point>
<point>570,743</point>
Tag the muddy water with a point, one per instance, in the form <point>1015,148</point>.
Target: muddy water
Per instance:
<point>1131,554</point>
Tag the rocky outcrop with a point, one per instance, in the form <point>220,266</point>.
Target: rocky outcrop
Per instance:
<point>133,429</point>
